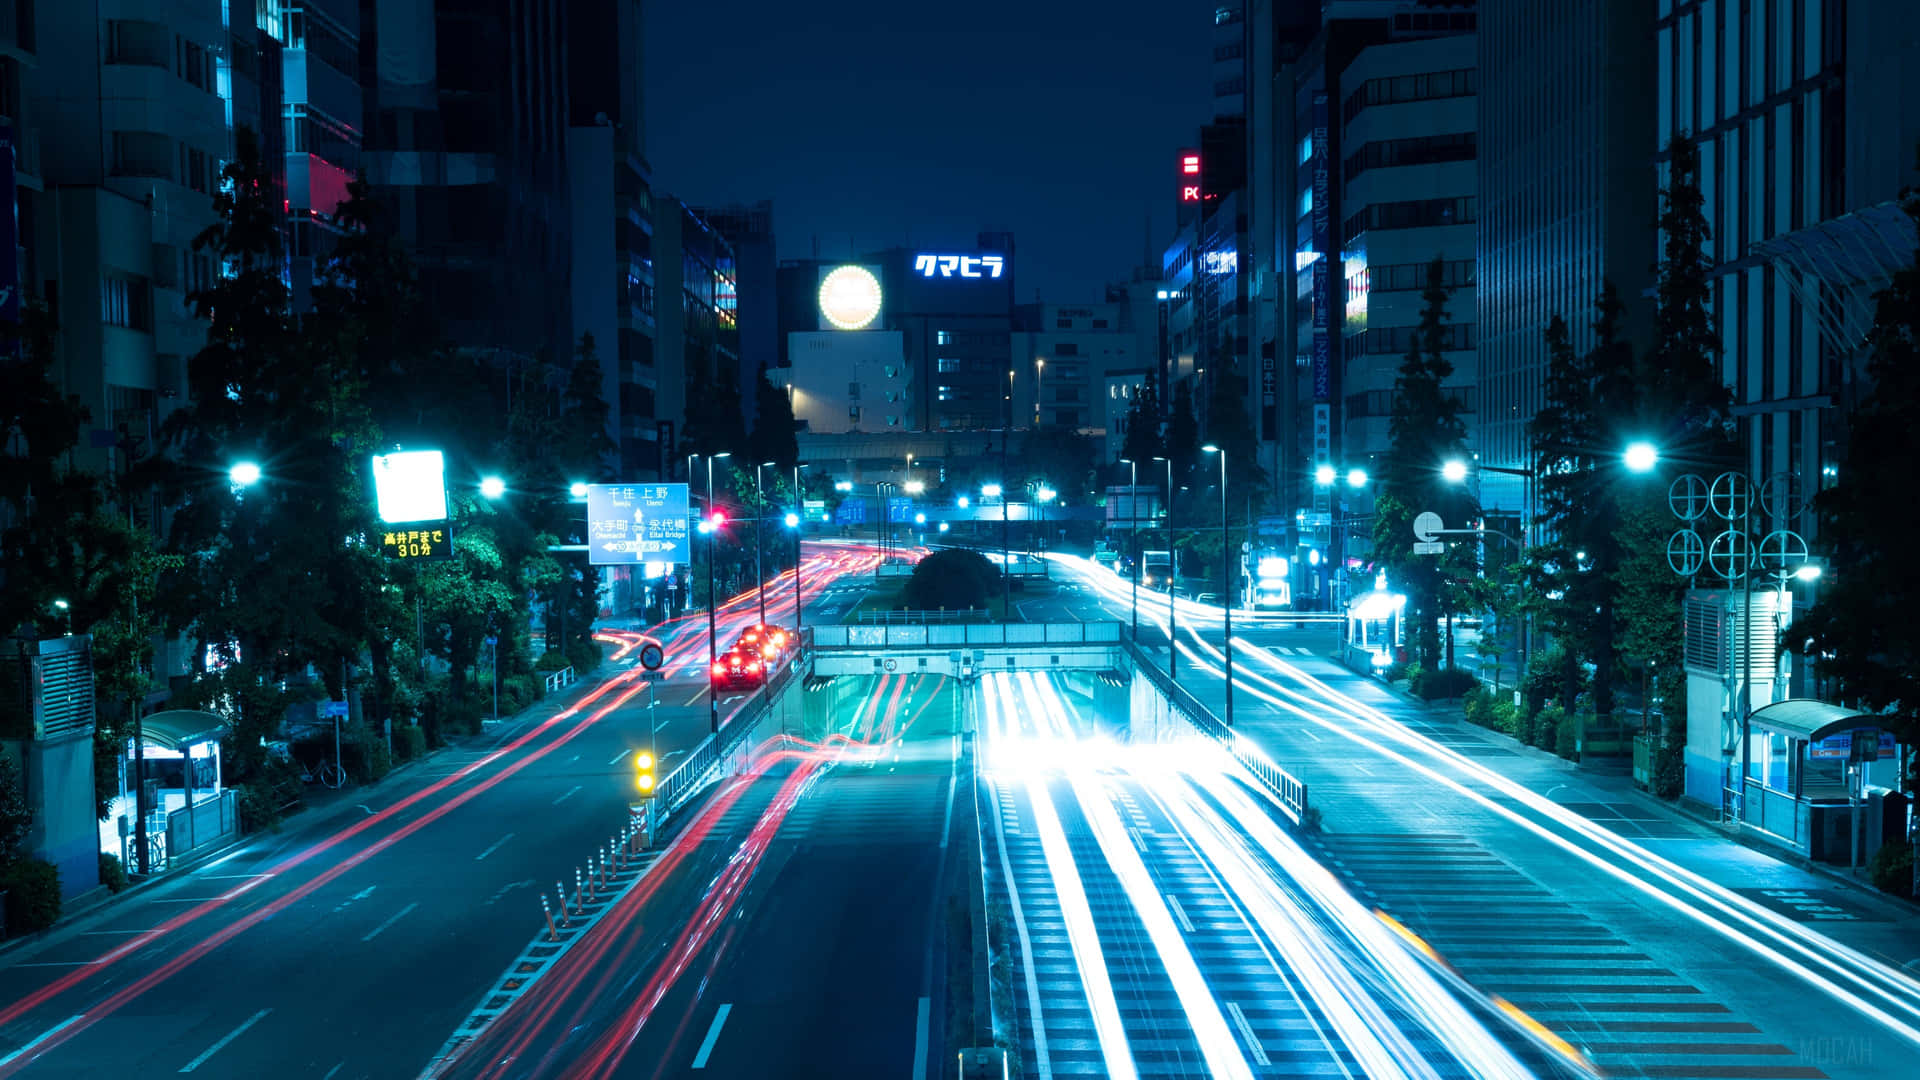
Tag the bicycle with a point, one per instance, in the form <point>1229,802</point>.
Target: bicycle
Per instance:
<point>325,773</point>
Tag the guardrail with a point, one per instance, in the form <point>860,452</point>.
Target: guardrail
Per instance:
<point>915,618</point>
<point>882,635</point>
<point>703,765</point>
<point>560,680</point>
<point>1290,790</point>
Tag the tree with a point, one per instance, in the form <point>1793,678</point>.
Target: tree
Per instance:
<point>587,448</point>
<point>1426,432</point>
<point>1688,405</point>
<point>772,438</point>
<point>1055,455</point>
<point>1231,428</point>
<point>16,817</point>
<point>1183,432</point>
<point>1142,442</point>
<point>1647,604</point>
<point>1861,631</point>
<point>953,579</point>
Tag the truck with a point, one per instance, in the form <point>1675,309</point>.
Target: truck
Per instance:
<point>1156,570</point>
<point>1105,555</point>
<point>1269,586</point>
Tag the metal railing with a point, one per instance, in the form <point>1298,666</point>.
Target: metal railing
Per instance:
<point>915,618</point>
<point>702,766</point>
<point>559,680</point>
<point>1290,790</point>
<point>916,635</point>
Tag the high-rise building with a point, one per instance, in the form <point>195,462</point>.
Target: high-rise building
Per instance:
<point>1229,68</point>
<point>470,154</point>
<point>610,207</point>
<point>749,230</point>
<point>1567,200</point>
<point>324,112</point>
<point>696,317</point>
<point>1069,351</point>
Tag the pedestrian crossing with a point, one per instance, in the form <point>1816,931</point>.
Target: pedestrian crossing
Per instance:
<point>1511,937</point>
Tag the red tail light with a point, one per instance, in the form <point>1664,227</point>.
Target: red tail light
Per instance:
<point>719,668</point>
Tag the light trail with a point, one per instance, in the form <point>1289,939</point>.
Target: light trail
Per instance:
<point>1891,992</point>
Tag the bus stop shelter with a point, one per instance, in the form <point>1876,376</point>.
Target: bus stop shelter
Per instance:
<point>188,805</point>
<point>1813,770</point>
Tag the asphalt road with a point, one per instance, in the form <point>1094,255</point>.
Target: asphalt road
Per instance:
<point>789,931</point>
<point>1657,944</point>
<point>352,944</point>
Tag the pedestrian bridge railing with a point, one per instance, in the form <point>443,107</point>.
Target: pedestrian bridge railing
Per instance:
<point>707,762</point>
<point>937,635</point>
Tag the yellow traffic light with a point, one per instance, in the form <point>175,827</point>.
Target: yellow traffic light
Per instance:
<point>643,778</point>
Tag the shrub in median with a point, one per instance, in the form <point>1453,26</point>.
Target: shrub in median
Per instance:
<point>1545,733</point>
<point>1477,705</point>
<point>1891,868</point>
<point>1566,741</point>
<point>32,887</point>
<point>112,874</point>
<point>410,742</point>
<point>1439,683</point>
<point>1506,718</point>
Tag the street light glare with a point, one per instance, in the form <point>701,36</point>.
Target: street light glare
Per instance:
<point>961,502</point>
<point>1808,572</point>
<point>915,487</point>
<point>1323,476</point>
<point>1045,494</point>
<point>577,490</point>
<point>244,474</point>
<point>793,521</point>
<point>1642,456</point>
<point>1211,449</point>
<point>990,491</point>
<point>1455,470</point>
<point>492,487</point>
<point>1357,478</point>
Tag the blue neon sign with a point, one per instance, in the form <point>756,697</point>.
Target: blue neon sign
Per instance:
<point>966,266</point>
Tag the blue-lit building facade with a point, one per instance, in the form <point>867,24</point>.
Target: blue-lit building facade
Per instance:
<point>696,316</point>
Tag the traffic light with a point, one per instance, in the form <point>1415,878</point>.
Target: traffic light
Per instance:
<point>643,778</point>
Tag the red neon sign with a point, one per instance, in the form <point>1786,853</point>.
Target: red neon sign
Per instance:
<point>1190,193</point>
<point>1190,164</point>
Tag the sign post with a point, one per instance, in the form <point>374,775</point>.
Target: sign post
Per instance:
<point>636,523</point>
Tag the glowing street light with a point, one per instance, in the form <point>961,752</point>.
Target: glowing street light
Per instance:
<point>1455,471</point>
<point>793,521</point>
<point>990,491</point>
<point>843,485</point>
<point>577,490</point>
<point>1642,456</point>
<point>1045,494</point>
<point>1808,572</point>
<point>244,474</point>
<point>1356,478</point>
<point>1324,476</point>
<point>961,502</point>
<point>915,487</point>
<point>492,487</point>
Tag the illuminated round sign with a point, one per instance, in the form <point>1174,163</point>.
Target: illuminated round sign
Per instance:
<point>850,297</point>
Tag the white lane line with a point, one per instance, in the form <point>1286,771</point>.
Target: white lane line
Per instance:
<point>713,1036</point>
<point>1246,1032</point>
<point>494,848</point>
<point>43,1037</point>
<point>1180,914</point>
<point>58,963</point>
<point>397,916</point>
<point>104,933</point>
<point>920,1041</point>
<point>229,877</point>
<point>1308,733</point>
<point>222,1044</point>
<point>698,694</point>
<point>947,825</point>
<point>620,757</point>
<point>331,1072</point>
<point>567,796</point>
<point>1362,769</point>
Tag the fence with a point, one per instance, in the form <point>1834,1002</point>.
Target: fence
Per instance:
<point>893,618</point>
<point>883,635</point>
<point>706,763</point>
<point>197,826</point>
<point>1290,790</point>
<point>559,680</point>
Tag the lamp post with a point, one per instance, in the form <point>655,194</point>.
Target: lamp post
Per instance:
<point>797,523</point>
<point>989,491</point>
<point>881,495</point>
<point>1133,505</point>
<point>1456,471</point>
<point>1226,572</point>
<point>1173,575</point>
<point>713,598</point>
<point>760,538</point>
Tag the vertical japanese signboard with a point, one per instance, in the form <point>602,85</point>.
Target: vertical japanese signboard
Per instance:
<point>636,523</point>
<point>1323,250</point>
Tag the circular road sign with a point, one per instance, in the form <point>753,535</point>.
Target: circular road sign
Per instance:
<point>1426,525</point>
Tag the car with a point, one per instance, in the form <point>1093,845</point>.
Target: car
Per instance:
<point>739,668</point>
<point>770,641</point>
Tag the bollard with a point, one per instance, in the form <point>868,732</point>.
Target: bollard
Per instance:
<point>547,910</point>
<point>560,887</point>
<point>579,888</point>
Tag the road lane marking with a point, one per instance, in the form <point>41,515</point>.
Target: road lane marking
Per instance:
<point>361,895</point>
<point>396,917</point>
<point>1308,734</point>
<point>229,877</point>
<point>57,963</point>
<point>713,1036</point>
<point>702,692</point>
<point>44,1036</point>
<point>222,1044</point>
<point>1361,768</point>
<point>1246,1031</point>
<point>947,825</point>
<point>620,757</point>
<point>494,848</point>
<point>920,1041</point>
<point>567,796</point>
<point>1180,914</point>
<point>331,1072</point>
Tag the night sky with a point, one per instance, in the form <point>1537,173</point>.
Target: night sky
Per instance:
<point>870,124</point>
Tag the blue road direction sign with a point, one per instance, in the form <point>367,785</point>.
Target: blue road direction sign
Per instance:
<point>636,523</point>
<point>899,509</point>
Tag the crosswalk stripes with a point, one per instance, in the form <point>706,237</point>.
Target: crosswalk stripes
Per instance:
<point>1631,1016</point>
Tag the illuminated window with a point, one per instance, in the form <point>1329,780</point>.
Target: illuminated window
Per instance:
<point>949,365</point>
<point>943,337</point>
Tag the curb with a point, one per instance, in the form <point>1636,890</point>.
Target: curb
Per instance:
<point>309,818</point>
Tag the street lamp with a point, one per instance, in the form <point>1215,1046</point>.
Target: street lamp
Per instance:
<point>244,474</point>
<point>1455,471</point>
<point>1324,476</point>
<point>1133,507</point>
<point>714,521</point>
<point>915,487</point>
<point>1173,575</point>
<point>493,487</point>
<point>1356,478</point>
<point>793,522</point>
<point>1641,456</point>
<point>579,490</point>
<point>1226,581</point>
<point>995,491</point>
<point>760,536</point>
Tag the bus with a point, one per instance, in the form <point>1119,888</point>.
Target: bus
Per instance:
<point>1268,584</point>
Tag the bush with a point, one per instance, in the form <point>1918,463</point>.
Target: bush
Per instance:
<point>1566,741</point>
<point>1443,683</point>
<point>550,661</point>
<point>1413,673</point>
<point>519,691</point>
<point>1477,705</point>
<point>584,655</point>
<point>410,742</point>
<point>33,894</point>
<point>1891,868</point>
<point>1670,769</point>
<point>1506,718</point>
<point>954,579</point>
<point>112,874</point>
<point>1545,733</point>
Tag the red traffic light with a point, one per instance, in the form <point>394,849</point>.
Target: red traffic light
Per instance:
<point>717,519</point>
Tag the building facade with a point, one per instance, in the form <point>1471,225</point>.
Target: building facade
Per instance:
<point>749,229</point>
<point>695,317</point>
<point>1567,200</point>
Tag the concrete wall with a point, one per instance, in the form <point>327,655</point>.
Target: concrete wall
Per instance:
<point>57,775</point>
